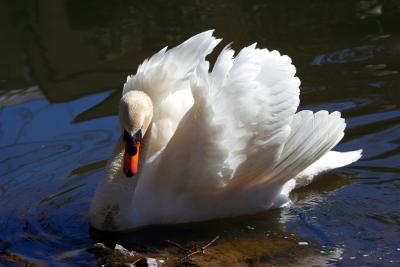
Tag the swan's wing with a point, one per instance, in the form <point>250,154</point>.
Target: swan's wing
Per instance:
<point>312,136</point>
<point>260,97</point>
<point>164,77</point>
<point>307,151</point>
<point>238,125</point>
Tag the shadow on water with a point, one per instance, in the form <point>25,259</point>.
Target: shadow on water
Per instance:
<point>63,66</point>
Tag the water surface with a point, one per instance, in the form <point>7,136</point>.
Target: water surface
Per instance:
<point>62,67</point>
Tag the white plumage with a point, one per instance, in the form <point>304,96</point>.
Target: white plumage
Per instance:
<point>221,143</point>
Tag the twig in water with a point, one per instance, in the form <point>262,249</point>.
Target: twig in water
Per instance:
<point>210,243</point>
<point>178,246</point>
<point>202,249</point>
<point>190,252</point>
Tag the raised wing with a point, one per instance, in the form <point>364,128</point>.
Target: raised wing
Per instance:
<point>234,134</point>
<point>164,77</point>
<point>255,103</point>
<point>307,151</point>
<point>313,134</point>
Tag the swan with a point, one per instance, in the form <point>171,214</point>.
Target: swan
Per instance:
<point>198,145</point>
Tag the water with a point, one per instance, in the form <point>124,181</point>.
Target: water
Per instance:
<point>62,67</point>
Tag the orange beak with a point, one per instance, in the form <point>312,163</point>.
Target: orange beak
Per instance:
<point>131,162</point>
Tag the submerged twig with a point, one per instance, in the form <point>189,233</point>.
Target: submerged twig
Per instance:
<point>210,243</point>
<point>178,246</point>
<point>190,252</point>
<point>202,249</point>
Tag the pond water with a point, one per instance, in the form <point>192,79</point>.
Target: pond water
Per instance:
<point>62,67</point>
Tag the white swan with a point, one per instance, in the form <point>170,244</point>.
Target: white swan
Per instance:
<point>197,145</point>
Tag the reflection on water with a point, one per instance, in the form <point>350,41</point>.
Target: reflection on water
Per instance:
<point>43,200</point>
<point>62,68</point>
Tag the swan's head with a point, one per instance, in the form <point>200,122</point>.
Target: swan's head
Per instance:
<point>135,114</point>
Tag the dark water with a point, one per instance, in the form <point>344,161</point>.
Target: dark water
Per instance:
<point>61,70</point>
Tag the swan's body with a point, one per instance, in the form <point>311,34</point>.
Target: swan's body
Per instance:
<point>214,144</point>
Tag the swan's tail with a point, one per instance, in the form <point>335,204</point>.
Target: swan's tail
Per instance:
<point>307,150</point>
<point>329,161</point>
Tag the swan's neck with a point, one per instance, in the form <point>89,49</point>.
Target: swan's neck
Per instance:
<point>112,205</point>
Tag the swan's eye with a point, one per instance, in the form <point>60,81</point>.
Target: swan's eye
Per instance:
<point>138,135</point>
<point>132,141</point>
<point>126,136</point>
